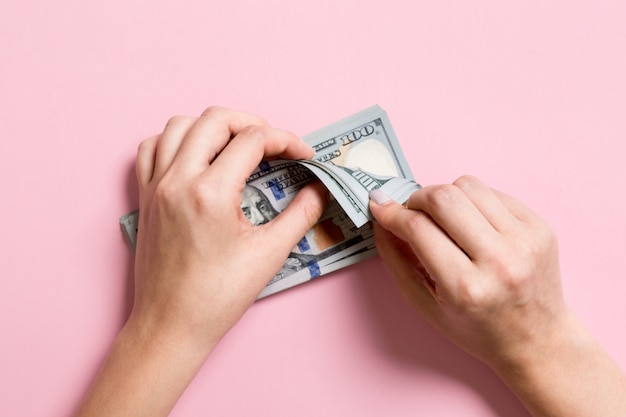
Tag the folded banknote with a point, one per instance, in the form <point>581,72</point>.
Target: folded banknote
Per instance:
<point>352,157</point>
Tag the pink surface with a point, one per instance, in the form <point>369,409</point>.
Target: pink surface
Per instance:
<point>529,96</point>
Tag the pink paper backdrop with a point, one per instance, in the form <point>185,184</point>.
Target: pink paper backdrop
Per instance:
<point>529,96</point>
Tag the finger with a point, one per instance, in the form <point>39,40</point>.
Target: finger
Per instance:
<point>488,203</point>
<point>144,165</point>
<point>456,214</point>
<point>254,143</point>
<point>288,228</point>
<point>445,262</point>
<point>406,269</point>
<point>169,142</point>
<point>209,135</point>
<point>517,209</point>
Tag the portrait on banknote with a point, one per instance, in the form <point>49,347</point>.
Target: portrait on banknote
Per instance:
<point>352,157</point>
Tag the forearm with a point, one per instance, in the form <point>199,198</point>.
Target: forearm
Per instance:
<point>144,375</point>
<point>570,376</point>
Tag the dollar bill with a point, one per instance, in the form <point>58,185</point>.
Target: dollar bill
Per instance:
<point>353,157</point>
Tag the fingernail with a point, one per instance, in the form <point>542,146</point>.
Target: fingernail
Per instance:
<point>379,197</point>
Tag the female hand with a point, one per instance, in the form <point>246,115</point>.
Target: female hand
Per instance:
<point>199,263</point>
<point>484,269</point>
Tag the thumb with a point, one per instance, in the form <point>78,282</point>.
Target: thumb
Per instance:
<point>390,215</point>
<point>288,228</point>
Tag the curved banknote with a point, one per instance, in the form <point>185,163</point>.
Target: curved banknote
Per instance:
<point>353,157</point>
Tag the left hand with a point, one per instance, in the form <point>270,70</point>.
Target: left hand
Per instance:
<point>199,262</point>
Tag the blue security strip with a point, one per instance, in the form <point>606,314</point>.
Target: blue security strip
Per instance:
<point>277,190</point>
<point>264,166</point>
<point>303,245</point>
<point>314,270</point>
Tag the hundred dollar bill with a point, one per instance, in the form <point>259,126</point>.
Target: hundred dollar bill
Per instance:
<point>353,156</point>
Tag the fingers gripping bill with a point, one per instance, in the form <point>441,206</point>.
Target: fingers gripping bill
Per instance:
<point>352,157</point>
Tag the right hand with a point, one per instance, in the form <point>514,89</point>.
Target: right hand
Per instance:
<point>479,265</point>
<point>484,269</point>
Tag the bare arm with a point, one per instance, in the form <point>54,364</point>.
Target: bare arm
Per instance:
<point>484,270</point>
<point>192,276</point>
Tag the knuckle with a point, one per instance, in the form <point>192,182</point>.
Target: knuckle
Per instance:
<point>442,195</point>
<point>199,195</point>
<point>165,193</point>
<point>515,275</point>
<point>416,222</point>
<point>176,121</point>
<point>472,296</point>
<point>466,181</point>
<point>236,118</point>
<point>214,111</point>
<point>516,269</point>
<point>547,238</point>
<point>254,132</point>
<point>171,192</point>
<point>147,144</point>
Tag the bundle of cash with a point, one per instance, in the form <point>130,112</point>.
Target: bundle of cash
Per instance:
<point>352,157</point>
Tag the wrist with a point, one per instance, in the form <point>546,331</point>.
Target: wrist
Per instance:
<point>530,360</point>
<point>162,339</point>
<point>147,370</point>
<point>553,374</point>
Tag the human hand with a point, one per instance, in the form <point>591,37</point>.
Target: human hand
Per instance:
<point>478,264</point>
<point>484,269</point>
<point>200,263</point>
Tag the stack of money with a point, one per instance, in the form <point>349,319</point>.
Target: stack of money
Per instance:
<point>353,157</point>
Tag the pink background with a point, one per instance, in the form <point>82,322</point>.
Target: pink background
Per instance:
<point>529,96</point>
